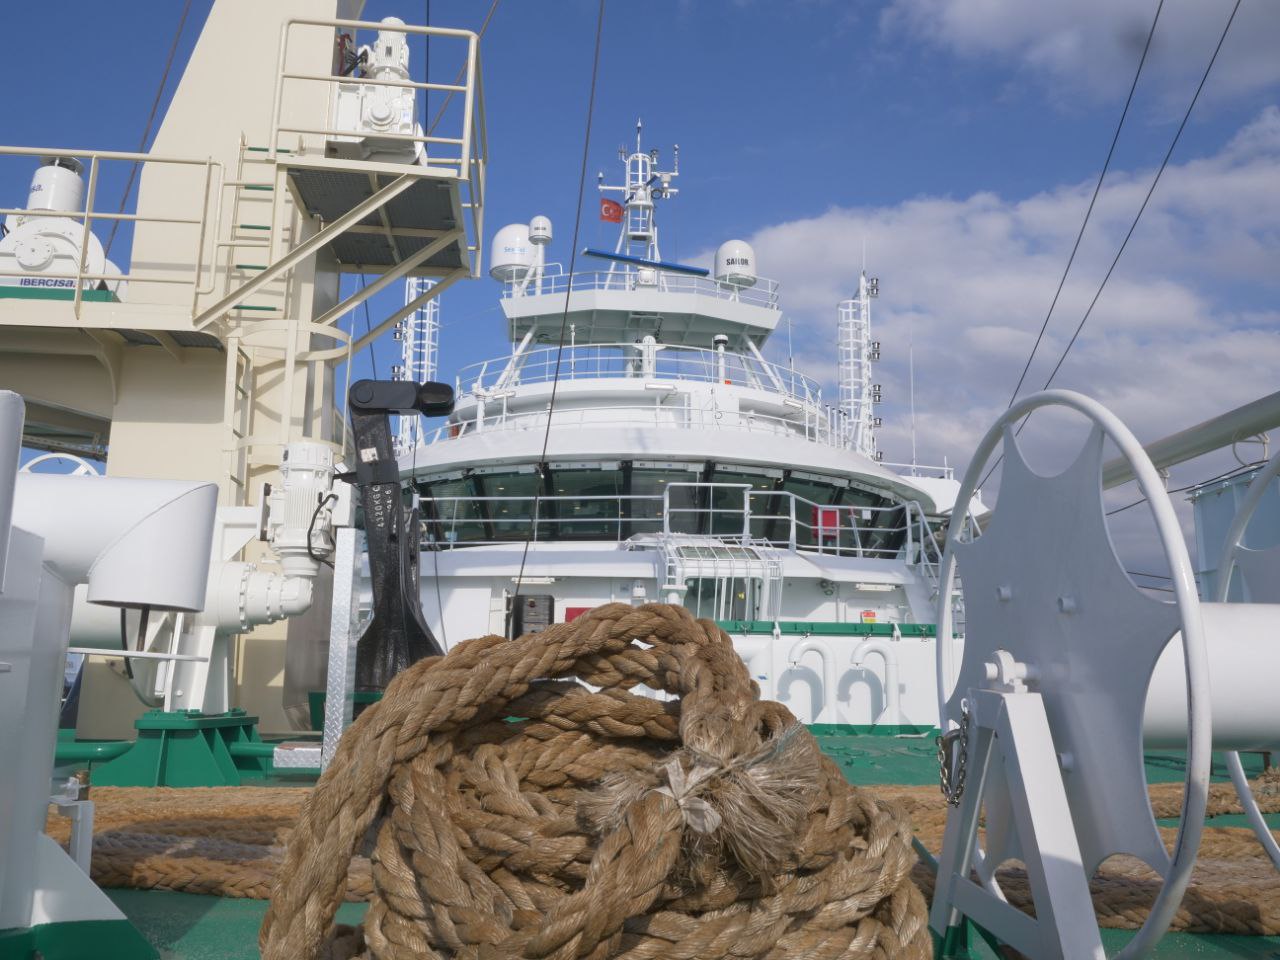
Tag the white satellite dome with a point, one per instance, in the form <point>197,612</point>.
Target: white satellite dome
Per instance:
<point>540,230</point>
<point>512,254</point>
<point>736,264</point>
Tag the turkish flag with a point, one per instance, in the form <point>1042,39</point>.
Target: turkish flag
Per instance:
<point>610,210</point>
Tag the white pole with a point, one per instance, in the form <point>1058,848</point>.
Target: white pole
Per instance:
<point>911,373</point>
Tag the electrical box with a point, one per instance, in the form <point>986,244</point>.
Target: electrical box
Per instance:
<point>531,614</point>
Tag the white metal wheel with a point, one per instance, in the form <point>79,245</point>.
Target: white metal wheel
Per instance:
<point>1226,566</point>
<point>1199,740</point>
<point>80,467</point>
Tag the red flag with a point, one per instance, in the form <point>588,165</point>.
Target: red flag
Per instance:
<point>610,210</point>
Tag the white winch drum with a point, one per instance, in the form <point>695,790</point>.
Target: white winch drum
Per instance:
<point>1244,660</point>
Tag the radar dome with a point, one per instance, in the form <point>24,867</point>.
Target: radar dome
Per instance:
<point>736,264</point>
<point>512,254</point>
<point>540,230</point>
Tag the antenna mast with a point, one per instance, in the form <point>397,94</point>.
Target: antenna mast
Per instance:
<point>419,336</point>
<point>856,352</point>
<point>644,183</point>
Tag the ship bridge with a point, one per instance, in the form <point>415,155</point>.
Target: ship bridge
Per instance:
<point>630,294</point>
<point>616,306</point>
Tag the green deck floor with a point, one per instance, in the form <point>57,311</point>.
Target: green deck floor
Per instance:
<point>182,926</point>
<point>189,927</point>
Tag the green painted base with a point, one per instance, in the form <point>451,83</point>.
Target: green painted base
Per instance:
<point>871,730</point>
<point>100,939</point>
<point>189,749</point>
<point>56,293</point>
<point>316,700</point>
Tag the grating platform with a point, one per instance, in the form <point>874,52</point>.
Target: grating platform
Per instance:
<point>394,232</point>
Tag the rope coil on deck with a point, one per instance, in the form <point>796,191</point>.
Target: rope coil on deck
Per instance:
<point>598,824</point>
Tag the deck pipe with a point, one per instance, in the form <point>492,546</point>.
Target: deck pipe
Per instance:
<point>892,712</point>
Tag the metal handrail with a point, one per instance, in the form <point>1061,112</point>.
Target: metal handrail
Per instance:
<point>844,537</point>
<point>205,223</point>
<point>465,141</point>
<point>551,278</point>
<point>812,426</point>
<point>628,360</point>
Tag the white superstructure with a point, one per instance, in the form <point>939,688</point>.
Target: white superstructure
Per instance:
<point>639,444</point>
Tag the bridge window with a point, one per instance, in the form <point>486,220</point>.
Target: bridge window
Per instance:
<point>723,598</point>
<point>576,509</point>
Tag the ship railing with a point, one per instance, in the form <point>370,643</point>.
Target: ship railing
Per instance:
<point>637,361</point>
<point>455,151</point>
<point>899,530</point>
<point>728,512</point>
<point>192,227</point>
<point>920,470</point>
<point>551,278</point>
<point>808,423</point>
<point>464,151</point>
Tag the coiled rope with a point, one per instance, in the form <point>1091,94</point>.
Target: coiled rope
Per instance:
<point>600,823</point>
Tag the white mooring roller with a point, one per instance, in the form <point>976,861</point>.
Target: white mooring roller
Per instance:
<point>1068,671</point>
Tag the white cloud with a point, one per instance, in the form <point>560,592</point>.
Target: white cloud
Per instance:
<point>1093,46</point>
<point>1176,337</point>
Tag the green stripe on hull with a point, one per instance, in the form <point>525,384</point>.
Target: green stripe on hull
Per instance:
<point>819,628</point>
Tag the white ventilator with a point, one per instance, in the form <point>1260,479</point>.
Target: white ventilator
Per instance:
<point>381,117</point>
<point>1261,572</point>
<point>44,248</point>
<point>1068,670</point>
<point>130,543</point>
<point>187,656</point>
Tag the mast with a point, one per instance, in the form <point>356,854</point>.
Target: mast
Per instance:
<point>419,336</point>
<point>644,183</point>
<point>856,352</point>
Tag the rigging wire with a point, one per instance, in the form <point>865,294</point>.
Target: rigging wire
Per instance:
<point>146,131</point>
<point>564,317</point>
<point>493,8</point>
<point>1132,227</point>
<point>1198,483</point>
<point>413,465</point>
<point>1145,200</point>
<point>368,329</point>
<point>1097,188</point>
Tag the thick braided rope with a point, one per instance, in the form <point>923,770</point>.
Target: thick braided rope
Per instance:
<point>601,823</point>
<point>229,842</point>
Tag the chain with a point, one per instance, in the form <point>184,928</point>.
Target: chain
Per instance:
<point>953,754</point>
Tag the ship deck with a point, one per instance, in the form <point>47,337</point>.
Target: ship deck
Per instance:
<point>190,927</point>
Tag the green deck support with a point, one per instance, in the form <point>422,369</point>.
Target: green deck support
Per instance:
<point>100,939</point>
<point>316,699</point>
<point>189,749</point>
<point>56,293</point>
<point>89,751</point>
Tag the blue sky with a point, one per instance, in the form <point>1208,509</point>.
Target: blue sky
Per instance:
<point>958,138</point>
